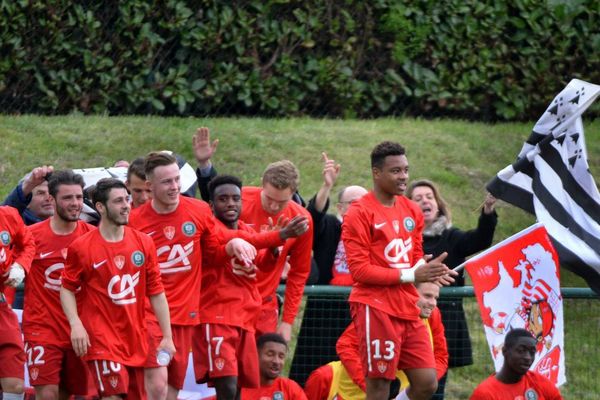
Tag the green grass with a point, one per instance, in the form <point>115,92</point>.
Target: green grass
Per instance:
<point>461,156</point>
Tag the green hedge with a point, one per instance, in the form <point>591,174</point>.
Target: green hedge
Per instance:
<point>480,59</point>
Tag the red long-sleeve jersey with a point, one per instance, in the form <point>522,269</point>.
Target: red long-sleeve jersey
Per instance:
<point>299,249</point>
<point>16,243</point>
<point>380,241</point>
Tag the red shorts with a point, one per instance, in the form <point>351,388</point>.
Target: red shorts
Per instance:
<point>267,317</point>
<point>387,343</point>
<point>11,343</point>
<point>53,365</point>
<point>182,338</point>
<point>115,379</point>
<point>225,350</point>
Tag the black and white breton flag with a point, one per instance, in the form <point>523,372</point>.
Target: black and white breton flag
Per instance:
<point>551,179</point>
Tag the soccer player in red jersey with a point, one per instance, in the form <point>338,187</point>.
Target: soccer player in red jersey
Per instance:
<point>514,380</point>
<point>183,231</point>
<point>50,358</point>
<point>224,342</point>
<point>382,233</point>
<point>272,350</point>
<point>116,268</point>
<point>17,249</point>
<point>262,206</point>
<point>136,183</point>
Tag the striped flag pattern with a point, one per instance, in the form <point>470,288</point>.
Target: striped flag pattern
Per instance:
<point>551,179</point>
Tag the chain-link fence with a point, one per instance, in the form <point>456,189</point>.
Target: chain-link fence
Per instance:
<point>326,315</point>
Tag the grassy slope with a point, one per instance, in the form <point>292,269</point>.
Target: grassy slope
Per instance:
<point>460,156</point>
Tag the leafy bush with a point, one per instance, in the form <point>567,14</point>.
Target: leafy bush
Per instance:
<point>343,58</point>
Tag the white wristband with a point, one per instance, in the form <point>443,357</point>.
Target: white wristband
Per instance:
<point>408,275</point>
<point>16,273</point>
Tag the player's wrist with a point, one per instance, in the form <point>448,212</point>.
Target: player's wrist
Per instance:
<point>407,275</point>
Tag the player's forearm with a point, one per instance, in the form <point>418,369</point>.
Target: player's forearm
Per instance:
<point>294,288</point>
<point>69,306</point>
<point>161,310</point>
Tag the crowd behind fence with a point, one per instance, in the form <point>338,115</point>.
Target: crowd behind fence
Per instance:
<point>325,315</point>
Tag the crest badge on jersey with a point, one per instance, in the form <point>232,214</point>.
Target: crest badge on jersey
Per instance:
<point>169,232</point>
<point>278,396</point>
<point>119,261</point>
<point>137,258</point>
<point>219,363</point>
<point>63,252</point>
<point>5,238</point>
<point>114,381</point>
<point>409,224</point>
<point>188,228</point>
<point>382,366</point>
<point>34,373</point>
<point>531,394</point>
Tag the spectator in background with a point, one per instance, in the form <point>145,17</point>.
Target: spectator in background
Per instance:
<point>136,183</point>
<point>272,351</point>
<point>328,249</point>
<point>514,380</point>
<point>31,196</point>
<point>440,236</point>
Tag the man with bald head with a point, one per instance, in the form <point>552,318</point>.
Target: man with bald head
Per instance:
<point>328,249</point>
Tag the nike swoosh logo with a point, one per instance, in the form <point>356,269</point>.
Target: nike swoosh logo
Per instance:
<point>151,233</point>
<point>98,265</point>
<point>44,255</point>
<point>379,226</point>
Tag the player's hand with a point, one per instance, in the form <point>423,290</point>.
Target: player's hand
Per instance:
<point>331,170</point>
<point>35,178</point>
<point>282,221</point>
<point>285,330</point>
<point>434,270</point>
<point>241,249</point>
<point>296,226</point>
<point>14,276</point>
<point>243,269</point>
<point>80,339</point>
<point>167,345</point>
<point>203,148</point>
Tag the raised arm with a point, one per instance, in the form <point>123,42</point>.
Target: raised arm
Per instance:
<point>204,149</point>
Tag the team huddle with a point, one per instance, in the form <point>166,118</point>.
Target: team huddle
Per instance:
<point>113,310</point>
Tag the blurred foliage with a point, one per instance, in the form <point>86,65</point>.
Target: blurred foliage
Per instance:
<point>342,58</point>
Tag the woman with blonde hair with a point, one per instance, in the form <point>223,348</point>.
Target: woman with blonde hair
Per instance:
<point>440,236</point>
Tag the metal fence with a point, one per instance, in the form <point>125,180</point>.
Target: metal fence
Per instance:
<point>325,315</point>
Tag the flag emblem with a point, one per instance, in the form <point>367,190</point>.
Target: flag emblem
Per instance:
<point>63,252</point>
<point>114,380</point>
<point>551,179</point>
<point>219,363</point>
<point>382,366</point>
<point>34,373</point>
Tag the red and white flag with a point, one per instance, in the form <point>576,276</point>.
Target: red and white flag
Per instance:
<point>516,283</point>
